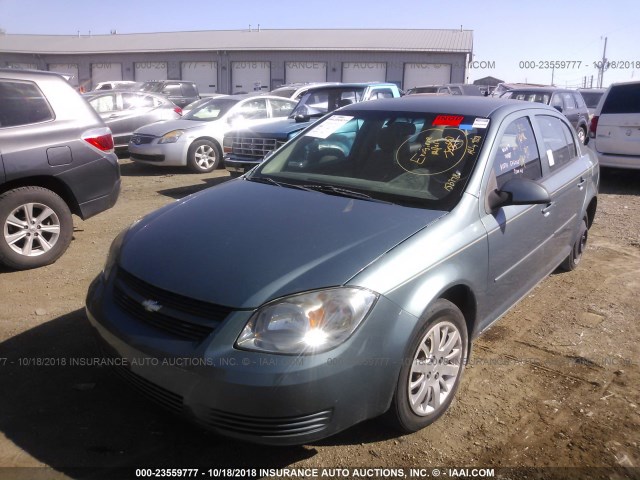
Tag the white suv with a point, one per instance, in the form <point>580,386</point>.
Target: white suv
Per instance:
<point>615,126</point>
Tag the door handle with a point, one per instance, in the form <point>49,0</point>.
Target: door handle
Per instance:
<point>581,183</point>
<point>546,210</point>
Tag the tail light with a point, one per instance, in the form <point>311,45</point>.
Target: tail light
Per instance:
<point>593,126</point>
<point>178,110</point>
<point>99,138</point>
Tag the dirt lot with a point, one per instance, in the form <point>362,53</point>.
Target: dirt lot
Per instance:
<point>555,383</point>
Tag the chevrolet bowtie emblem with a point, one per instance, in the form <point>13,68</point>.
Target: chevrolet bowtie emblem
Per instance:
<point>151,305</point>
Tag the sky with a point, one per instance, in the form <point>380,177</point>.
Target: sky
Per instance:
<point>513,41</point>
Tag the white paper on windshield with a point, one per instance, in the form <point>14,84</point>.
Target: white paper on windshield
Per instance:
<point>329,126</point>
<point>550,158</point>
<point>480,123</point>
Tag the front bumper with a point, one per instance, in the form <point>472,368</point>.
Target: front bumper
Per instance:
<point>257,397</point>
<point>238,165</point>
<point>166,154</point>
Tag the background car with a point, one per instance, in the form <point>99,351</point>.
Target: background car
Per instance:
<point>592,97</point>
<point>569,102</point>
<point>615,126</point>
<point>124,111</point>
<point>352,279</point>
<point>196,139</point>
<point>423,89</point>
<point>118,84</point>
<point>180,92</point>
<point>56,159</point>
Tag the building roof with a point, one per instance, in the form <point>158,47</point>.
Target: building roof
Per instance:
<point>244,40</point>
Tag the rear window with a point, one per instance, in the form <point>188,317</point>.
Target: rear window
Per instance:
<point>591,98</point>
<point>22,103</point>
<point>623,99</point>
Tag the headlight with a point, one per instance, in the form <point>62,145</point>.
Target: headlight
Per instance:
<point>171,137</point>
<point>307,323</point>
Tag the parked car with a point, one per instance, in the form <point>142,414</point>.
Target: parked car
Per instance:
<point>358,263</point>
<point>180,92</point>
<point>567,101</point>
<point>592,97</point>
<point>125,111</point>
<point>196,139</point>
<point>244,149</point>
<point>295,90</point>
<point>117,85</point>
<point>460,89</point>
<point>423,89</point>
<point>56,159</point>
<point>503,87</point>
<point>615,126</point>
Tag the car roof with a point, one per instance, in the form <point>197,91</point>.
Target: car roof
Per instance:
<point>28,74</point>
<point>541,89</point>
<point>447,104</point>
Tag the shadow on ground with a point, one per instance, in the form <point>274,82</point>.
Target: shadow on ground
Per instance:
<point>619,182</point>
<point>83,421</point>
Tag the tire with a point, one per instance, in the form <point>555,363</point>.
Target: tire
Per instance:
<point>426,386</point>
<point>41,241</point>
<point>573,259</point>
<point>203,156</point>
<point>582,135</point>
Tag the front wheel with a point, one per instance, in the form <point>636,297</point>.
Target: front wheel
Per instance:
<point>432,368</point>
<point>37,227</point>
<point>203,156</point>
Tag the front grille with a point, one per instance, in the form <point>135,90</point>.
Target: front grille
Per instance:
<point>147,158</point>
<point>267,426</point>
<point>254,147</point>
<point>170,312</point>
<point>162,396</point>
<point>138,139</point>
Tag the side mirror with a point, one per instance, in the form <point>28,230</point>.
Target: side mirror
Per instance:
<point>558,107</point>
<point>300,118</point>
<point>519,191</point>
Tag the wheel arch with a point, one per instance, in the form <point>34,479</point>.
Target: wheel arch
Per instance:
<point>50,183</point>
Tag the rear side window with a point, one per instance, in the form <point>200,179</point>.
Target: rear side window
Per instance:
<point>22,103</point>
<point>189,90</point>
<point>557,140</point>
<point>281,108</point>
<point>172,89</point>
<point>579,100</point>
<point>623,99</point>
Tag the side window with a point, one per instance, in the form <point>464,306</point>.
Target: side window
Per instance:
<point>556,101</point>
<point>456,91</point>
<point>569,102</point>
<point>281,108</point>
<point>517,153</point>
<point>579,100</point>
<point>189,90</point>
<point>104,104</point>
<point>130,100</point>
<point>254,109</point>
<point>172,89</point>
<point>443,90</point>
<point>558,141</point>
<point>381,93</point>
<point>22,103</point>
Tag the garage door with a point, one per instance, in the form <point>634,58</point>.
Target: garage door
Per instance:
<point>250,76</point>
<point>204,74</point>
<point>305,72</point>
<point>67,69</point>
<point>416,74</point>
<point>23,66</point>
<point>364,72</point>
<point>147,71</point>
<point>105,72</point>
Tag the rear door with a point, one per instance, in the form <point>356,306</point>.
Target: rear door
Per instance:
<point>618,131</point>
<point>565,177</point>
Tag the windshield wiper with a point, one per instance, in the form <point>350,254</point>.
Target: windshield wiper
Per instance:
<point>271,181</point>
<point>343,192</point>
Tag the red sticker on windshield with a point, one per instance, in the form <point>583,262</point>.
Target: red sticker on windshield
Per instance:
<point>448,120</point>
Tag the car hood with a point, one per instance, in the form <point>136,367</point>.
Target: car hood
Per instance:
<point>278,129</point>
<point>242,243</point>
<point>160,128</point>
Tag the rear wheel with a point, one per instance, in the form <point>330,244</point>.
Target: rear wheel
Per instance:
<point>37,227</point>
<point>432,368</point>
<point>574,258</point>
<point>203,156</point>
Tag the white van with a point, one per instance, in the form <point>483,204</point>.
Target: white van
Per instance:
<point>615,126</point>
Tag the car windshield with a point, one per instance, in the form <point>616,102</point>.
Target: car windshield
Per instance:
<point>591,98</point>
<point>320,102</point>
<point>212,110</point>
<point>414,159</point>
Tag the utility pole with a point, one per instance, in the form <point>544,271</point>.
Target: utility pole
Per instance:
<point>553,70</point>
<point>603,64</point>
